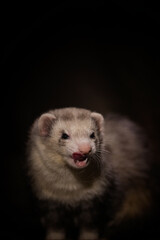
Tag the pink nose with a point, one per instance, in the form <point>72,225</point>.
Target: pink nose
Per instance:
<point>84,148</point>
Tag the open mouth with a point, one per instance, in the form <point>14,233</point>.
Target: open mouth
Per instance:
<point>81,163</point>
<point>80,160</point>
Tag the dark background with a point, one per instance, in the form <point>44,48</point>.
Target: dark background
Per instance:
<point>92,54</point>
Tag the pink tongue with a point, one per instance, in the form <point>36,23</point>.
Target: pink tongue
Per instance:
<point>79,159</point>
<point>80,163</point>
<point>78,156</point>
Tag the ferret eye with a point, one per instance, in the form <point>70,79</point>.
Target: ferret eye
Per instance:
<point>92,135</point>
<point>64,136</point>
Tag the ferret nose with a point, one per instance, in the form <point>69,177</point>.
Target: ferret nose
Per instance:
<point>85,148</point>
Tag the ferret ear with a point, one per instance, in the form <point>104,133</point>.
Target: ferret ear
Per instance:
<point>98,118</point>
<point>45,123</point>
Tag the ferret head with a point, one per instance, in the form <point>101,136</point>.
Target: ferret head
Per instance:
<point>71,136</point>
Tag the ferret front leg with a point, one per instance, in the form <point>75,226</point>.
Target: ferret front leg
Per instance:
<point>54,234</point>
<point>88,234</point>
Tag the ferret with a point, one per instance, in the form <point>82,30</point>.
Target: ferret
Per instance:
<point>89,173</point>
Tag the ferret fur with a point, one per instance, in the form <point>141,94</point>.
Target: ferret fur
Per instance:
<point>111,189</point>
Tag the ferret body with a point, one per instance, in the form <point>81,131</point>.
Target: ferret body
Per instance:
<point>87,172</point>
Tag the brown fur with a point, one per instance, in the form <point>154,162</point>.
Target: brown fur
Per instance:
<point>118,154</point>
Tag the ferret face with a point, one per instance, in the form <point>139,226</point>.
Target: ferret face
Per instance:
<point>74,138</point>
<point>75,141</point>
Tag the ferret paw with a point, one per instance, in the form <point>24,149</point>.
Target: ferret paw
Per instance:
<point>55,235</point>
<point>88,235</point>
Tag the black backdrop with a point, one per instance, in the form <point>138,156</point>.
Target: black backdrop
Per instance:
<point>92,54</point>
